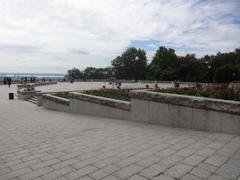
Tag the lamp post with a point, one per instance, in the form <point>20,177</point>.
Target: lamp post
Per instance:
<point>209,67</point>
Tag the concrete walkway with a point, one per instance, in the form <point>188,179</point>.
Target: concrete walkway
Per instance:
<point>64,86</point>
<point>40,144</point>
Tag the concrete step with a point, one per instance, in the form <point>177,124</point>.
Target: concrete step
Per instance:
<point>32,99</point>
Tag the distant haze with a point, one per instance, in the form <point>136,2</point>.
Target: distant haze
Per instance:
<point>52,36</point>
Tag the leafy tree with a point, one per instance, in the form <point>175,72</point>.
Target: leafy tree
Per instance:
<point>190,68</point>
<point>132,64</point>
<point>227,73</point>
<point>165,57</point>
<point>74,74</point>
<point>97,73</point>
<point>153,72</point>
<point>164,64</point>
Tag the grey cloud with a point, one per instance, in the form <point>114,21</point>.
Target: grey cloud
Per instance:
<point>78,52</point>
<point>18,48</point>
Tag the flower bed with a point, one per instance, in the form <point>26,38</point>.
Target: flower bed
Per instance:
<point>65,95</point>
<point>119,94</point>
<point>217,92</point>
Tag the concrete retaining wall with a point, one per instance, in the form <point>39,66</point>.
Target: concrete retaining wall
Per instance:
<point>86,104</point>
<point>55,103</point>
<point>29,85</point>
<point>99,106</point>
<point>196,113</point>
<point>186,111</point>
<point>24,94</point>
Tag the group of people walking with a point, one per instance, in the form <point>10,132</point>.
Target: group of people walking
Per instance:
<point>8,80</point>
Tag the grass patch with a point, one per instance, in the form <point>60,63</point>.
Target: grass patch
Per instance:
<point>65,95</point>
<point>119,94</point>
<point>217,92</point>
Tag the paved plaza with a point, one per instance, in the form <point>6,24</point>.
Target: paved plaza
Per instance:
<point>43,145</point>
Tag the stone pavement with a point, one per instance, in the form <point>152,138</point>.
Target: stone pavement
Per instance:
<point>93,85</point>
<point>41,144</point>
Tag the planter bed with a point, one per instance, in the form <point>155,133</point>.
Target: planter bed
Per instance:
<point>65,95</point>
<point>216,92</point>
<point>175,110</point>
<point>118,94</point>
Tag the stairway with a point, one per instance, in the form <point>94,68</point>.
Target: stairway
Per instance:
<point>32,99</point>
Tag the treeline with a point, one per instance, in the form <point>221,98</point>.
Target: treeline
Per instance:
<point>166,65</point>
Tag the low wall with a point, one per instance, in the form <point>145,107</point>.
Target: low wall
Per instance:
<point>86,104</point>
<point>173,110</point>
<point>24,94</point>
<point>55,103</point>
<point>99,106</point>
<point>28,85</point>
<point>186,111</point>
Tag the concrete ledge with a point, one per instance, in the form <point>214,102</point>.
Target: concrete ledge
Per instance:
<point>44,83</point>
<point>55,103</point>
<point>79,106</point>
<point>226,106</point>
<point>87,104</point>
<point>156,108</point>
<point>25,94</point>
<point>29,85</point>
<point>196,113</point>
<point>102,100</point>
<point>56,99</point>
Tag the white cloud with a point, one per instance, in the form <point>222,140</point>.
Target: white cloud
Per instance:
<point>59,34</point>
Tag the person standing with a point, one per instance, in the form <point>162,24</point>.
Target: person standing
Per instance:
<point>9,80</point>
<point>4,80</point>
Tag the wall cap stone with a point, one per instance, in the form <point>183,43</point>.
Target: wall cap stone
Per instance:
<point>102,100</point>
<point>226,106</point>
<point>56,99</point>
<point>27,92</point>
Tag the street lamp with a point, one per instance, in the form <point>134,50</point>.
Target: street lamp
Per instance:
<point>209,78</point>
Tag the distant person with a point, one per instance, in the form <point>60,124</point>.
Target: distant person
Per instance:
<point>25,79</point>
<point>176,84</point>
<point>9,80</point>
<point>22,80</point>
<point>4,80</point>
<point>156,84</point>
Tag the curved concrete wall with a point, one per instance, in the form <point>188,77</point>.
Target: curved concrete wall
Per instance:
<point>186,111</point>
<point>89,105</point>
<point>155,108</point>
<point>184,117</point>
<point>55,103</point>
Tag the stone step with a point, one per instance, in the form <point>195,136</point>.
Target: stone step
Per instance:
<point>32,99</point>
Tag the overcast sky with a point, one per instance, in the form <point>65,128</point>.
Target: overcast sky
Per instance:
<point>55,35</point>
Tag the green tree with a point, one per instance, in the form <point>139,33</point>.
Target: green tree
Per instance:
<point>74,74</point>
<point>132,64</point>
<point>227,73</point>
<point>97,73</point>
<point>164,64</point>
<point>191,69</point>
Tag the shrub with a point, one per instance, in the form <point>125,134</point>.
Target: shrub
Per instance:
<point>218,92</point>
